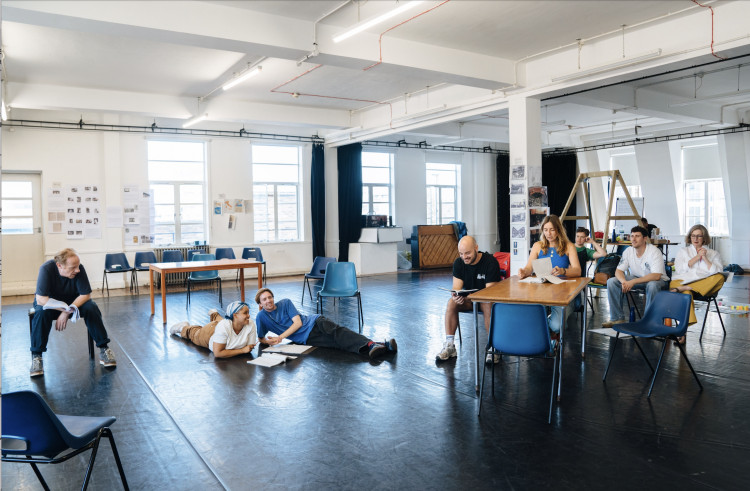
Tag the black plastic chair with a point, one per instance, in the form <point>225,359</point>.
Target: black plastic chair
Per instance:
<point>254,253</point>
<point>203,276</point>
<point>317,272</point>
<point>666,305</point>
<point>520,330</point>
<point>116,263</point>
<point>711,298</point>
<point>142,261</point>
<point>32,433</point>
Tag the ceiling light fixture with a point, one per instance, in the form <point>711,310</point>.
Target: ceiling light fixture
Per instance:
<point>610,66</point>
<point>250,72</point>
<point>4,112</point>
<point>195,120</point>
<point>707,98</point>
<point>375,20</point>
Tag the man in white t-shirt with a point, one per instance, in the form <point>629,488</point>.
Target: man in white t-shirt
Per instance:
<point>641,268</point>
<point>231,336</point>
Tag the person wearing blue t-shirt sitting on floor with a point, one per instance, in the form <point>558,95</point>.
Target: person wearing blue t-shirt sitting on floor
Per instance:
<point>285,321</point>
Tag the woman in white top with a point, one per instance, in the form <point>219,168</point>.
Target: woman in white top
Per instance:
<point>699,265</point>
<point>234,335</point>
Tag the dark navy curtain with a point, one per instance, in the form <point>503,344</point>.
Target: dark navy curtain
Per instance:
<point>318,200</point>
<point>559,174</point>
<point>502,173</point>
<point>350,197</point>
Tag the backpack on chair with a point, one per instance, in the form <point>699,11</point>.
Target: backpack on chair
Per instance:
<point>606,268</point>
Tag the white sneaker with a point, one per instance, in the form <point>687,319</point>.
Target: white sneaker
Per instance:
<point>176,329</point>
<point>449,351</point>
<point>212,311</point>
<point>492,359</point>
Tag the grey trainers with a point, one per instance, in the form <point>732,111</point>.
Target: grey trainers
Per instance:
<point>107,357</point>
<point>492,359</point>
<point>448,351</point>
<point>176,329</point>
<point>37,367</point>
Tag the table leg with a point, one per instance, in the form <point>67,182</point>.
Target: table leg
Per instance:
<point>585,318</point>
<point>163,298</point>
<point>562,346</point>
<point>151,288</point>
<point>260,276</point>
<point>476,345</point>
<point>242,284</point>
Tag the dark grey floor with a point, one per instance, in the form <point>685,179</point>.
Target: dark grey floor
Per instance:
<point>334,420</point>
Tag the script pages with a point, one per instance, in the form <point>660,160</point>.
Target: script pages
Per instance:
<point>53,304</point>
<point>542,272</point>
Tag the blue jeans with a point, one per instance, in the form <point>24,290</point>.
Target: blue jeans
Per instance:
<point>616,297</point>
<point>41,325</point>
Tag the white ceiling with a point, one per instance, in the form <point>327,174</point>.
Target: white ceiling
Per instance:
<point>170,59</point>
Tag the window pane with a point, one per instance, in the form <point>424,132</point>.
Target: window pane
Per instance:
<point>448,213</point>
<point>175,150</point>
<point>164,214</point>
<point>376,175</point>
<point>191,193</point>
<point>167,171</point>
<point>447,195</point>
<point>162,193</point>
<point>365,194</point>
<point>275,173</point>
<point>380,194</point>
<point>191,233</point>
<point>380,208</point>
<point>432,205</point>
<point>191,214</point>
<point>376,159</point>
<point>17,226</point>
<point>275,154</point>
<point>16,189</point>
<point>17,208</point>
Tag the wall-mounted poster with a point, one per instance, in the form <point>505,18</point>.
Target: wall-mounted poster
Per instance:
<point>517,202</point>
<point>538,196</point>
<point>517,188</point>
<point>518,172</point>
<point>536,216</point>
<point>518,217</point>
<point>517,232</point>
<point>535,235</point>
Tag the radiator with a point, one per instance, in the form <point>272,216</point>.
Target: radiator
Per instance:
<point>177,278</point>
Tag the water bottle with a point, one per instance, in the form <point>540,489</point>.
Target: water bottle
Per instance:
<point>614,235</point>
<point>632,314</point>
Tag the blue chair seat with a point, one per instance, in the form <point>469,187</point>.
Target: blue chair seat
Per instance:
<point>32,433</point>
<point>666,305</point>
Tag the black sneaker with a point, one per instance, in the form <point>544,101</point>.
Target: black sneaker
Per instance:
<point>377,349</point>
<point>391,345</point>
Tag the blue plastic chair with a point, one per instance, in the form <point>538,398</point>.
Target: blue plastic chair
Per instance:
<point>34,434</point>
<point>203,276</point>
<point>193,252</point>
<point>172,256</point>
<point>317,272</point>
<point>224,253</point>
<point>341,281</point>
<point>595,286</point>
<point>116,263</point>
<point>666,305</point>
<point>142,260</point>
<point>521,330</point>
<point>254,253</point>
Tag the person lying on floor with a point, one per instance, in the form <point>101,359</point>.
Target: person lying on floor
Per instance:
<point>285,321</point>
<point>231,336</point>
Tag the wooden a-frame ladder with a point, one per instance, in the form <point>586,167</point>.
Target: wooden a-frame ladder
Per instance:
<point>584,181</point>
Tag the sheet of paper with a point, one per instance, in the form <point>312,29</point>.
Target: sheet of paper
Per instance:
<point>289,349</point>
<point>270,360</point>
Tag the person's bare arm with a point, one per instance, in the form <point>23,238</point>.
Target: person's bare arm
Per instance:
<point>220,350</point>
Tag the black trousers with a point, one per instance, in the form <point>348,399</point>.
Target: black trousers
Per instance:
<point>327,334</point>
<point>41,325</point>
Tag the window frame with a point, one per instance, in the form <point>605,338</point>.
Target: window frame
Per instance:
<point>367,187</point>
<point>456,170</point>
<point>177,221</point>
<point>297,185</point>
<point>6,217</point>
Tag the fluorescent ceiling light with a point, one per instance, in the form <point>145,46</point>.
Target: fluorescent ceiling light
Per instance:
<point>4,111</point>
<point>610,66</point>
<point>195,120</point>
<point>696,100</point>
<point>242,77</point>
<point>414,116</point>
<point>375,20</point>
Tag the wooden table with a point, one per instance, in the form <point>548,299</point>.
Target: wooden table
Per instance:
<point>189,266</point>
<point>513,291</point>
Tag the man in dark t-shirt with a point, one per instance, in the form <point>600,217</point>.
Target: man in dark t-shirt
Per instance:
<point>64,279</point>
<point>472,270</point>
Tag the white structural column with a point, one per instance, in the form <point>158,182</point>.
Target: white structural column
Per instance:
<point>525,150</point>
<point>733,151</point>
<point>660,198</point>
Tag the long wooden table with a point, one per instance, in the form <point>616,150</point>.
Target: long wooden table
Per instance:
<point>512,290</point>
<point>189,266</point>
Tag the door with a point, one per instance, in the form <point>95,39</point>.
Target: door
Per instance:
<point>22,248</point>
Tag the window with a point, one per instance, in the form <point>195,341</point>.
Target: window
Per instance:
<point>276,193</point>
<point>377,171</point>
<point>176,174</point>
<point>703,189</point>
<point>442,193</point>
<point>18,213</point>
